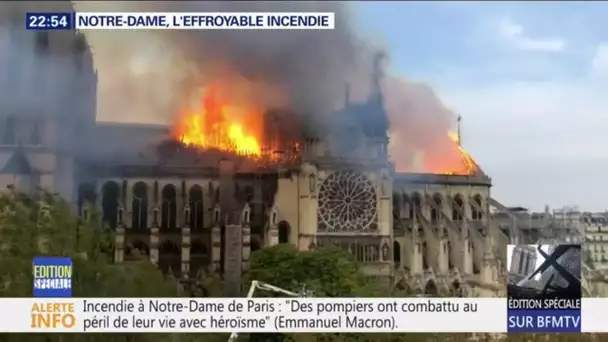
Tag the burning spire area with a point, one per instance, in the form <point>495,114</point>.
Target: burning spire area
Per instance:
<point>443,157</point>
<point>453,159</point>
<point>422,133</point>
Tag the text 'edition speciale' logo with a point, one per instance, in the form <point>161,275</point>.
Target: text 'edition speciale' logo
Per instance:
<point>544,288</point>
<point>52,277</point>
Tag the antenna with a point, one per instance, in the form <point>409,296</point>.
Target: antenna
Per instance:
<point>377,71</point>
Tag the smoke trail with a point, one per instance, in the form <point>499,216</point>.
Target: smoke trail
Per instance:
<point>303,69</point>
<point>41,75</point>
<point>147,76</point>
<point>419,124</point>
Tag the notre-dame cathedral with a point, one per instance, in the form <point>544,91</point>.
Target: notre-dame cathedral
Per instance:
<point>186,209</point>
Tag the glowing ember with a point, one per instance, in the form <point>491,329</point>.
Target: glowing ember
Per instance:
<point>217,125</point>
<point>449,158</point>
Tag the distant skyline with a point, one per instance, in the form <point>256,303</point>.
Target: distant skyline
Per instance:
<point>529,80</point>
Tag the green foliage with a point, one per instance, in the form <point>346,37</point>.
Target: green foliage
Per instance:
<point>46,226</point>
<point>328,272</point>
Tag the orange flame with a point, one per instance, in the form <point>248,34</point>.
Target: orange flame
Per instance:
<point>467,164</point>
<point>451,158</point>
<point>218,125</point>
<point>446,157</point>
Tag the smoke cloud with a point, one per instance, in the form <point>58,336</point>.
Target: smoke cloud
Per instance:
<point>148,76</point>
<point>305,70</point>
<point>40,78</point>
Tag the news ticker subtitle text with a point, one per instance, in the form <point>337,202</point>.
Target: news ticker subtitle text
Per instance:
<point>179,21</point>
<point>313,315</point>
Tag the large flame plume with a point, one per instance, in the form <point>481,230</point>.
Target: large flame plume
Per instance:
<point>423,131</point>
<point>220,125</point>
<point>450,158</point>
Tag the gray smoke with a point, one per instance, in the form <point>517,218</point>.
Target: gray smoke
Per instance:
<point>305,70</point>
<point>39,81</point>
<point>147,76</point>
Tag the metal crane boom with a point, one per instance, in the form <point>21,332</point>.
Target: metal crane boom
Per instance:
<point>258,285</point>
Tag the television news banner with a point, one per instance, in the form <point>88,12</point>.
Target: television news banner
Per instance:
<point>53,309</point>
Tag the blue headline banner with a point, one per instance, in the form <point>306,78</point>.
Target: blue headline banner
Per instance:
<point>543,321</point>
<point>180,21</point>
<point>49,21</point>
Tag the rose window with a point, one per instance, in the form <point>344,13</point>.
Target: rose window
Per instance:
<point>347,203</point>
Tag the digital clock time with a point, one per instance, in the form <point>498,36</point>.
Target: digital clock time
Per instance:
<point>49,21</point>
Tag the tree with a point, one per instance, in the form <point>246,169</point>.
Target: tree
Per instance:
<point>329,272</point>
<point>32,227</point>
<point>46,225</point>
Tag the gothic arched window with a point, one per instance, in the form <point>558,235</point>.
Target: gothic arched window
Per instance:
<point>109,206</point>
<point>168,218</point>
<point>284,232</point>
<point>196,208</point>
<point>457,208</point>
<point>139,220</point>
<point>416,204</point>
<point>477,208</point>
<point>450,260</point>
<point>425,260</point>
<point>396,253</point>
<point>436,208</point>
<point>86,196</point>
<point>407,207</point>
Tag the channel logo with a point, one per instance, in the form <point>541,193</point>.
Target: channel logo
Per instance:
<point>52,277</point>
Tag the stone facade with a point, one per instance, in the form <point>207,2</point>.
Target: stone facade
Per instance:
<point>596,238</point>
<point>48,101</point>
<point>523,262</point>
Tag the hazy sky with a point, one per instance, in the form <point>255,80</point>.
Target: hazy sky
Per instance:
<point>529,79</point>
